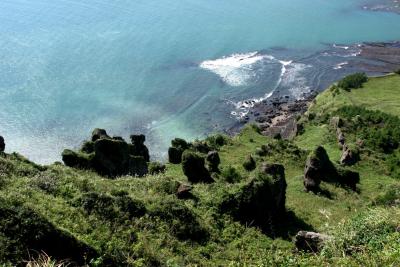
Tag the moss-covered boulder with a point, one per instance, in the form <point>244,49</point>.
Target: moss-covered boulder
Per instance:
<point>260,201</point>
<point>109,156</point>
<point>319,168</point>
<point>213,161</point>
<point>178,146</point>
<point>193,166</point>
<point>138,147</point>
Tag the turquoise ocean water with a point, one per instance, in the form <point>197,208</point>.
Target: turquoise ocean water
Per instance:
<point>166,68</point>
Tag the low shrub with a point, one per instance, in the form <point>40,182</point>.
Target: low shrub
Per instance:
<point>156,167</point>
<point>390,197</point>
<point>353,81</point>
<point>397,71</point>
<point>230,175</point>
<point>249,164</point>
<point>379,131</point>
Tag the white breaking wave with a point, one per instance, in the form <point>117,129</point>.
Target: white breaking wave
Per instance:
<point>295,81</point>
<point>236,69</point>
<point>340,65</point>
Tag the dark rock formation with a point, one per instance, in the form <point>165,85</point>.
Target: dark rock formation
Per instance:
<point>213,161</point>
<point>178,146</point>
<point>340,137</point>
<point>99,134</point>
<point>319,168</point>
<point>261,201</point>
<point>2,144</point>
<point>349,156</point>
<point>194,169</point>
<point>138,148</point>
<point>109,156</point>
<point>310,241</point>
<point>184,191</point>
<point>348,178</point>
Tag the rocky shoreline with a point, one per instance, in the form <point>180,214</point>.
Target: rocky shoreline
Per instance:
<point>279,113</point>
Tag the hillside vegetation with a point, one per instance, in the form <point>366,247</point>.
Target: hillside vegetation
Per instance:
<point>225,220</point>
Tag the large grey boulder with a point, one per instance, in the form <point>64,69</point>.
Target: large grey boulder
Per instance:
<point>310,241</point>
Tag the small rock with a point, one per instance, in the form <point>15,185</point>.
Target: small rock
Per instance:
<point>310,241</point>
<point>184,191</point>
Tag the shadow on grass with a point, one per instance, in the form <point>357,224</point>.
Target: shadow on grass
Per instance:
<point>288,227</point>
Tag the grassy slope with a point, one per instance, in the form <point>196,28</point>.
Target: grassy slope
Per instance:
<point>229,242</point>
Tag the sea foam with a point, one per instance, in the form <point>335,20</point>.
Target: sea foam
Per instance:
<point>236,69</point>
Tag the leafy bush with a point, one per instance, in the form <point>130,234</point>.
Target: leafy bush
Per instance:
<point>379,131</point>
<point>156,167</point>
<point>390,197</point>
<point>353,81</point>
<point>368,231</point>
<point>231,175</point>
<point>249,164</point>
<point>182,221</point>
<point>397,71</point>
<point>216,141</point>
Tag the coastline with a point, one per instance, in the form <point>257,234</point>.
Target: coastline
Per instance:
<point>278,113</point>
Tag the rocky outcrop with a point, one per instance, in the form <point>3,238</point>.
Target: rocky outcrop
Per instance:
<point>213,161</point>
<point>2,144</point>
<point>178,146</point>
<point>193,166</point>
<point>319,168</point>
<point>138,148</point>
<point>261,201</point>
<point>310,241</point>
<point>349,156</point>
<point>184,191</point>
<point>109,156</point>
<point>340,137</point>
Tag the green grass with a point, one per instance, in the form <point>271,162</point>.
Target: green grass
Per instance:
<point>54,191</point>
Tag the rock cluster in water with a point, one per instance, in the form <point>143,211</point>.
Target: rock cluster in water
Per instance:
<point>110,156</point>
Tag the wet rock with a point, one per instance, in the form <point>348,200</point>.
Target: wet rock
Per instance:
<point>310,241</point>
<point>194,169</point>
<point>213,161</point>
<point>138,147</point>
<point>99,134</point>
<point>2,144</point>
<point>184,191</point>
